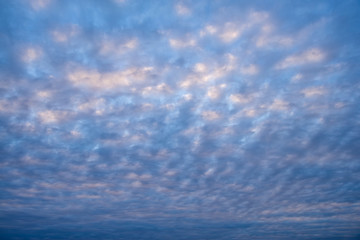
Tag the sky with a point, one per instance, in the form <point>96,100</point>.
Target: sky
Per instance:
<point>151,120</point>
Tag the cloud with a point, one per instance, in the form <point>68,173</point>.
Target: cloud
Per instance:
<point>52,116</point>
<point>279,105</point>
<point>239,99</point>
<point>210,115</point>
<point>39,4</point>
<point>66,34</point>
<point>108,81</point>
<point>313,55</point>
<point>31,54</point>
<point>207,120</point>
<point>182,10</point>
<point>179,43</point>
<point>204,74</point>
<point>313,91</point>
<point>155,91</point>
<point>297,77</point>
<point>230,33</point>
<point>249,70</point>
<point>200,67</point>
<point>111,47</point>
<point>208,30</point>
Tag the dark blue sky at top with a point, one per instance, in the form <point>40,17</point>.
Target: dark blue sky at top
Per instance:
<point>126,119</point>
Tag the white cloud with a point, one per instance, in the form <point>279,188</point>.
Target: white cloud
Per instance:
<point>230,33</point>
<point>182,10</point>
<point>213,92</point>
<point>64,35</point>
<point>31,54</point>
<point>200,67</point>
<point>250,112</point>
<point>209,172</point>
<point>204,74</point>
<point>312,55</point>
<point>296,77</point>
<point>239,99</point>
<point>251,69</point>
<point>75,133</point>
<point>44,94</point>
<point>52,116</point>
<point>114,47</point>
<point>187,96</point>
<point>132,176</point>
<point>39,4</point>
<point>31,161</point>
<point>182,43</point>
<point>98,106</point>
<point>339,105</point>
<point>136,184</point>
<point>268,37</point>
<point>48,117</point>
<point>161,88</point>
<point>59,36</point>
<point>145,176</point>
<point>120,1</point>
<point>93,185</point>
<point>279,105</point>
<point>170,173</point>
<point>5,106</point>
<point>267,28</point>
<point>108,81</point>
<point>258,17</point>
<point>313,91</point>
<point>147,107</point>
<point>232,30</point>
<point>266,40</point>
<point>208,30</point>
<point>87,196</point>
<point>210,115</point>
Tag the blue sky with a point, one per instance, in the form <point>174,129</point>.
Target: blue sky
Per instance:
<point>126,119</point>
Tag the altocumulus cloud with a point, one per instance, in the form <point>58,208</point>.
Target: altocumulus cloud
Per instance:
<point>126,119</point>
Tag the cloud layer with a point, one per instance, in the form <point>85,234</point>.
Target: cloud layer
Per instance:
<point>179,120</point>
